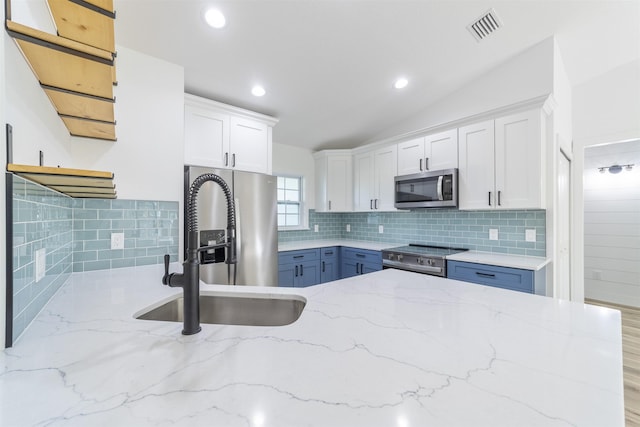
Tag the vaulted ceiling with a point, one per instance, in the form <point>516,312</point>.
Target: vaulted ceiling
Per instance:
<point>328,66</point>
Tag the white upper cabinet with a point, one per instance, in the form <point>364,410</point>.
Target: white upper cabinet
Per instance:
<point>222,136</point>
<point>374,173</point>
<point>433,152</point>
<point>206,135</point>
<point>501,163</point>
<point>334,174</point>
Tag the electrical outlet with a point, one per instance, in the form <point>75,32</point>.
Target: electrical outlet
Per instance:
<point>381,229</point>
<point>493,234</point>
<point>316,228</point>
<point>348,228</point>
<point>41,263</point>
<point>530,235</point>
<point>117,240</point>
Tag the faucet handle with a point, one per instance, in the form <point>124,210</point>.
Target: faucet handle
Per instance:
<point>165,278</point>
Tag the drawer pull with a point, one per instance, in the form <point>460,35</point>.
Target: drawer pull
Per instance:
<point>485,274</point>
<point>298,256</point>
<point>361,255</point>
<point>328,253</point>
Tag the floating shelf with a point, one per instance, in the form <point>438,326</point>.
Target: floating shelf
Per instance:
<point>76,68</point>
<point>84,22</point>
<point>76,183</point>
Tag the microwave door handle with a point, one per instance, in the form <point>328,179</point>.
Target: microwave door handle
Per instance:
<point>440,179</point>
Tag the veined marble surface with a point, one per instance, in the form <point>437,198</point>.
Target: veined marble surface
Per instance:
<point>391,348</point>
<point>312,244</point>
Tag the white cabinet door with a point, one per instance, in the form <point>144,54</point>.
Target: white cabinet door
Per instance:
<point>339,183</point>
<point>363,182</point>
<point>518,161</point>
<point>249,145</point>
<point>441,150</point>
<point>206,137</point>
<point>476,179</point>
<point>411,156</point>
<point>385,170</point>
<point>334,181</point>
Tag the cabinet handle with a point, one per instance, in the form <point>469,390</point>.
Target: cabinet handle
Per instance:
<point>499,202</point>
<point>360,255</point>
<point>371,204</point>
<point>489,198</point>
<point>328,253</point>
<point>323,266</point>
<point>376,203</point>
<point>298,256</point>
<point>420,164</point>
<point>233,160</point>
<point>426,163</point>
<point>485,274</point>
<point>301,270</point>
<point>329,204</point>
<point>357,268</point>
<point>296,271</point>
<point>226,159</point>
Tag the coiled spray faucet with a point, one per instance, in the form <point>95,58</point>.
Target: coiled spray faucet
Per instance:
<point>189,280</point>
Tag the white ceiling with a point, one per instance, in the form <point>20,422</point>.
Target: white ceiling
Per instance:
<point>621,153</point>
<point>328,66</point>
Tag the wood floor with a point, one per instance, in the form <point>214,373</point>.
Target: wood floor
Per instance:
<point>631,360</point>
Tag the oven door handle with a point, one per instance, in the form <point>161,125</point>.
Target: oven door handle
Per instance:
<point>440,179</point>
<point>414,268</point>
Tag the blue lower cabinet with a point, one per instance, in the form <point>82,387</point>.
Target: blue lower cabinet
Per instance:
<point>500,277</point>
<point>299,269</point>
<point>359,261</point>
<point>329,264</point>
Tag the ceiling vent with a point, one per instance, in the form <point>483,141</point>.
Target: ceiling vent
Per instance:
<point>484,26</point>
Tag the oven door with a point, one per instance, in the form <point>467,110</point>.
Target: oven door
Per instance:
<point>436,269</point>
<point>427,190</point>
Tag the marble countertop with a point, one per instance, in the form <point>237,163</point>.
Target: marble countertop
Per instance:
<point>311,244</point>
<point>391,348</point>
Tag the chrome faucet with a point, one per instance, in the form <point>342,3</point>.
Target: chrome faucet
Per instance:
<point>189,280</point>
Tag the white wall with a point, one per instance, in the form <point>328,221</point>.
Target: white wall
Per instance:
<point>3,206</point>
<point>525,76</point>
<point>296,161</point>
<point>605,109</point>
<point>612,225</point>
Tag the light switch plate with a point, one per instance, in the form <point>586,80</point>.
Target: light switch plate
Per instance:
<point>348,228</point>
<point>493,234</point>
<point>381,229</point>
<point>117,240</point>
<point>41,263</point>
<point>530,235</point>
<point>316,228</point>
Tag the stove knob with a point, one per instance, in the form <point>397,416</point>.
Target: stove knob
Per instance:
<point>399,257</point>
<point>390,257</point>
<point>420,260</point>
<point>430,262</point>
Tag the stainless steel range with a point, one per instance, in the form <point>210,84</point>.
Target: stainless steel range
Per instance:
<point>419,258</point>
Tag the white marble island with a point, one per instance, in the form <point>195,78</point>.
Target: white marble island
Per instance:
<point>390,348</point>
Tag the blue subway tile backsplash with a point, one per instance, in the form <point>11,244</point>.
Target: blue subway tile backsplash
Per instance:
<point>76,235</point>
<point>442,227</point>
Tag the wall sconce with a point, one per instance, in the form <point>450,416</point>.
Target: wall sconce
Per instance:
<point>614,169</point>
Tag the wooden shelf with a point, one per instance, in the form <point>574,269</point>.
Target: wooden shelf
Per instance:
<point>76,183</point>
<point>76,68</point>
<point>84,23</point>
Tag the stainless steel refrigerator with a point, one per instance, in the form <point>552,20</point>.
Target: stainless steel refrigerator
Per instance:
<point>254,195</point>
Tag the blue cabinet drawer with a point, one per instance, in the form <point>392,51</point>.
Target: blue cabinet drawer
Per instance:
<point>491,275</point>
<point>299,256</point>
<point>362,255</point>
<point>330,253</point>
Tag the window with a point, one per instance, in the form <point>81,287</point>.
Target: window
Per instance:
<point>289,201</point>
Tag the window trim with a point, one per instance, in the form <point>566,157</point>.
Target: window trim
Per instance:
<point>302,211</point>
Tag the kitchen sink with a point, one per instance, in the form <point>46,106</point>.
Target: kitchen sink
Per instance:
<point>250,309</point>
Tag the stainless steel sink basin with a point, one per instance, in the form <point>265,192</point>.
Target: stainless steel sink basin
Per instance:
<point>232,309</point>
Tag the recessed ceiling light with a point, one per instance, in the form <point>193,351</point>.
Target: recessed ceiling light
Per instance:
<point>401,83</point>
<point>215,18</point>
<point>258,90</point>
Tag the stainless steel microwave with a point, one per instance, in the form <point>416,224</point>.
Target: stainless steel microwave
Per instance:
<point>433,189</point>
